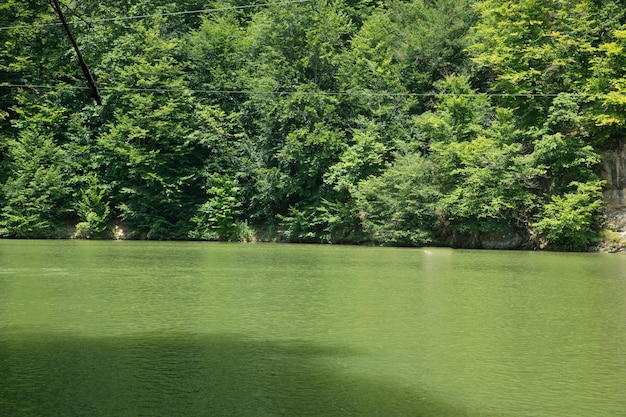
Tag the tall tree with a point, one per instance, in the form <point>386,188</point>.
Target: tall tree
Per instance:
<point>608,84</point>
<point>36,191</point>
<point>152,163</point>
<point>531,50</point>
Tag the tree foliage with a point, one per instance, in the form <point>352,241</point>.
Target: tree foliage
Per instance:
<point>398,206</point>
<point>406,122</point>
<point>36,191</point>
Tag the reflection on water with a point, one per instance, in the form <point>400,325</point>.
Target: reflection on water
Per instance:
<point>202,329</point>
<point>192,375</point>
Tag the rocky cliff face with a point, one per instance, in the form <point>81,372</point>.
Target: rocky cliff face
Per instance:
<point>613,171</point>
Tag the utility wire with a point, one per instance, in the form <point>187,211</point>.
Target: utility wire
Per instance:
<point>145,16</point>
<point>293,92</point>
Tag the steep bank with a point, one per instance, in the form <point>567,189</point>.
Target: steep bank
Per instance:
<point>613,171</point>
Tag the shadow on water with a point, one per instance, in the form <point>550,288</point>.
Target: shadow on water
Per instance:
<point>189,375</point>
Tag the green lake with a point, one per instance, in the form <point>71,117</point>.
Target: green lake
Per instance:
<point>206,329</point>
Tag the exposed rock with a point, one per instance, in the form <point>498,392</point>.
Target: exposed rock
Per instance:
<point>503,241</point>
<point>613,171</point>
<point>119,232</point>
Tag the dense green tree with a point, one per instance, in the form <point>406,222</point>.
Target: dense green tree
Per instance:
<point>484,182</point>
<point>36,190</point>
<point>460,112</point>
<point>561,148</point>
<point>323,121</point>
<point>399,206</point>
<point>570,220</point>
<point>93,210</point>
<point>609,85</point>
<point>31,34</point>
<point>218,218</point>
<point>569,184</point>
<point>215,55</point>
<point>152,163</point>
<point>544,57</point>
<point>532,49</point>
<point>366,156</point>
<point>482,172</point>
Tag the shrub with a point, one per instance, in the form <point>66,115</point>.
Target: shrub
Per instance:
<point>217,219</point>
<point>569,220</point>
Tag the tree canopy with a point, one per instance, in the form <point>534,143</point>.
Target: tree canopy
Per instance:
<point>404,122</point>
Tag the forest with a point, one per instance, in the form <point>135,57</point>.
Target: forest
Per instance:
<point>399,122</point>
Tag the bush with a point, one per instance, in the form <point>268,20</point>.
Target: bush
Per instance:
<point>93,211</point>
<point>217,219</point>
<point>398,207</point>
<point>568,221</point>
<point>36,192</point>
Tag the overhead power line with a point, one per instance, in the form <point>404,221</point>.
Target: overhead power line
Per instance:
<point>294,92</point>
<point>166,14</point>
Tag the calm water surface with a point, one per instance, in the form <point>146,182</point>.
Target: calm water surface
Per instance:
<point>204,329</point>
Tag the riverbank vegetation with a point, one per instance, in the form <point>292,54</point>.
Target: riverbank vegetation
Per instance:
<point>450,122</point>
